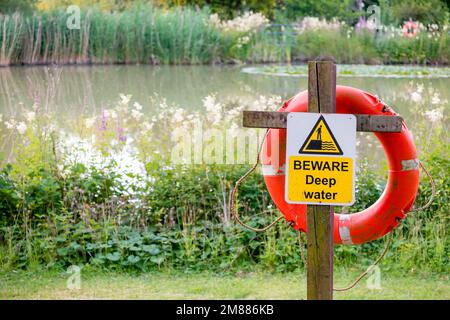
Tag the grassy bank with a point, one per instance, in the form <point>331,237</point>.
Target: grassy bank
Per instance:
<point>253,285</point>
<point>151,35</point>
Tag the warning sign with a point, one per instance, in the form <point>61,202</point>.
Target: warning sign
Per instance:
<point>320,158</point>
<point>321,140</point>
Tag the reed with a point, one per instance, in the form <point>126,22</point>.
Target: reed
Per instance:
<point>144,34</point>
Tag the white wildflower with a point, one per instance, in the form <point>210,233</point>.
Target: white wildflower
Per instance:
<point>11,124</point>
<point>147,126</point>
<point>137,106</point>
<point>125,99</point>
<point>248,22</point>
<point>30,116</point>
<point>434,115</point>
<point>215,20</point>
<point>21,127</point>
<point>216,118</point>
<point>89,122</point>
<point>243,40</point>
<point>435,99</point>
<point>314,23</point>
<point>416,97</point>
<point>136,114</point>
<point>178,117</point>
<point>210,104</point>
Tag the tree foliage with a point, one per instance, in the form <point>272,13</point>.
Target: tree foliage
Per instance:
<point>9,6</point>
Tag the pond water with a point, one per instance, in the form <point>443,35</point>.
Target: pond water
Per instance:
<point>71,90</point>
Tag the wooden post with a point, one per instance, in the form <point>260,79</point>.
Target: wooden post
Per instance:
<point>320,244</point>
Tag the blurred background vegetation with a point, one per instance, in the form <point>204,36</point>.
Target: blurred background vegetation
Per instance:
<point>392,11</point>
<point>202,32</point>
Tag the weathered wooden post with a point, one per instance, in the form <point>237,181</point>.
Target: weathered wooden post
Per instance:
<point>321,99</point>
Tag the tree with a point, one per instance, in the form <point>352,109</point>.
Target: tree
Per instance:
<point>230,8</point>
<point>10,6</point>
<point>345,10</point>
<point>425,11</point>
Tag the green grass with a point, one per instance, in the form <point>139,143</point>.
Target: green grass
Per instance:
<point>176,285</point>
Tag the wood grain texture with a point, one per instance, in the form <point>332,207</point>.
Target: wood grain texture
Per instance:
<point>364,122</point>
<point>320,244</point>
<point>320,248</point>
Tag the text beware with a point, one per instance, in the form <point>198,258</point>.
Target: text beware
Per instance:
<point>321,165</point>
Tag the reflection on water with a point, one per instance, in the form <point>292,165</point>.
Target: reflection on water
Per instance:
<point>71,90</point>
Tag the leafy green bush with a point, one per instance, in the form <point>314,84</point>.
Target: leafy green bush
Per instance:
<point>10,6</point>
<point>425,11</point>
<point>9,197</point>
<point>231,8</point>
<point>342,10</point>
<point>183,227</point>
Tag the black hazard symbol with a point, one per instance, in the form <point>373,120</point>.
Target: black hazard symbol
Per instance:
<point>321,140</point>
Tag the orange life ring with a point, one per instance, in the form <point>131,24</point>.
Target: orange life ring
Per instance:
<point>410,29</point>
<point>403,181</point>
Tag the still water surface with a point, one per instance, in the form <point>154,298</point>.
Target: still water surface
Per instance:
<point>72,89</point>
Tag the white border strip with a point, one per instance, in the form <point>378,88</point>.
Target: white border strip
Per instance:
<point>344,231</point>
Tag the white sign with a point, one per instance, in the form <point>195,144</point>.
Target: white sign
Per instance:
<point>320,158</point>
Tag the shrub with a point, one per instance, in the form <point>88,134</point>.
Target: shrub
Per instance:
<point>342,10</point>
<point>9,197</point>
<point>425,11</point>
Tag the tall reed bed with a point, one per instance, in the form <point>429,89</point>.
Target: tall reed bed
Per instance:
<point>150,35</point>
<point>140,35</point>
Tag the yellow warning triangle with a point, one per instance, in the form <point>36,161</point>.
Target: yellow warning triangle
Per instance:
<point>321,140</point>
